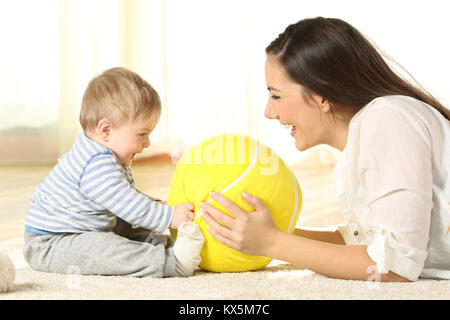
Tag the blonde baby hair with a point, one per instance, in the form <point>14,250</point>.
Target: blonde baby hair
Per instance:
<point>120,95</point>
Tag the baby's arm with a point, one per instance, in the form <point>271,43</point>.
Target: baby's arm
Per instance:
<point>104,183</point>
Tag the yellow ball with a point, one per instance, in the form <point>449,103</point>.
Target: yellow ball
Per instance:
<point>231,164</point>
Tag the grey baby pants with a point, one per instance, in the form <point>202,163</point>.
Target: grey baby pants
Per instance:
<point>126,251</point>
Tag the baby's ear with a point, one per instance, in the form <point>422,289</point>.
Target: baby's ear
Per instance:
<point>104,129</point>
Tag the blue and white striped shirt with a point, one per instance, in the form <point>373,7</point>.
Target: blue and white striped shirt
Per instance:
<point>87,190</point>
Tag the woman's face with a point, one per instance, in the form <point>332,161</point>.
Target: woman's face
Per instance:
<point>287,104</point>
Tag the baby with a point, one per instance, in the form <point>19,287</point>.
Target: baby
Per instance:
<point>87,217</point>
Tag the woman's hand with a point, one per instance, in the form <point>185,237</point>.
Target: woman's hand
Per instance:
<point>251,233</point>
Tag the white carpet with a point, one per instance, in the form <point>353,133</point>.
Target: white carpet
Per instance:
<point>277,281</point>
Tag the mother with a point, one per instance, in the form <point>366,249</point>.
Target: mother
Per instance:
<point>329,83</point>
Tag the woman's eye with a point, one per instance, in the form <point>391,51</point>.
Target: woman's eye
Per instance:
<point>274,97</point>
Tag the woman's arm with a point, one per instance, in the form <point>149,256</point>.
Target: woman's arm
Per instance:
<point>255,233</point>
<point>330,259</point>
<point>320,235</point>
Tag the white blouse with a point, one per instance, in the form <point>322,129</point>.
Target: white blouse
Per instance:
<point>393,180</point>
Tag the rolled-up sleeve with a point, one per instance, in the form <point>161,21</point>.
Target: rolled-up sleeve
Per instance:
<point>396,171</point>
<point>393,255</point>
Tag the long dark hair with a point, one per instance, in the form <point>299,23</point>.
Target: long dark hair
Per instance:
<point>331,58</point>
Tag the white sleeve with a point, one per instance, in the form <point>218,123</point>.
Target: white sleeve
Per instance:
<point>397,174</point>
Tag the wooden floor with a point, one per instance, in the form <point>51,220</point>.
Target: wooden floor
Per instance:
<point>18,182</point>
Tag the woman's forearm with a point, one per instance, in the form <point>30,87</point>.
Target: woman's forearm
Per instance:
<point>333,260</point>
<point>329,259</point>
<point>325,234</point>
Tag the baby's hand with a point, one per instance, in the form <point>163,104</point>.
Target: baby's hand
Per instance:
<point>183,212</point>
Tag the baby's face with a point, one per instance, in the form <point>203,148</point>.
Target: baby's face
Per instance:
<point>129,139</point>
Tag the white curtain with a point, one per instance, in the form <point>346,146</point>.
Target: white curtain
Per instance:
<point>205,58</point>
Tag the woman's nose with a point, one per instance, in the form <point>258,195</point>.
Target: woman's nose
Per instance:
<point>270,111</point>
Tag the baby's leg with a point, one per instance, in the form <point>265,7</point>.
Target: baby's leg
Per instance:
<point>126,230</point>
<point>101,253</point>
<point>187,248</point>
